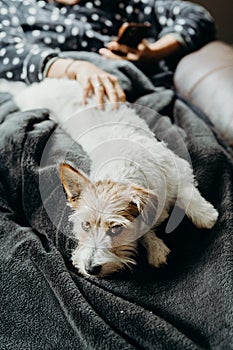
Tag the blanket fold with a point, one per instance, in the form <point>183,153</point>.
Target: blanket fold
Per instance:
<point>46,304</point>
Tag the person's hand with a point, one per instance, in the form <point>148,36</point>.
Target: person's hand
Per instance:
<point>66,2</point>
<point>96,81</point>
<point>147,52</point>
<point>93,80</point>
<point>143,52</point>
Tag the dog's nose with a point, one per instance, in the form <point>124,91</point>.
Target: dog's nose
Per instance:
<point>94,270</point>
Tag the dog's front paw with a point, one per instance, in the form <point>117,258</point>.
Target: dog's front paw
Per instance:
<point>157,251</point>
<point>158,255</point>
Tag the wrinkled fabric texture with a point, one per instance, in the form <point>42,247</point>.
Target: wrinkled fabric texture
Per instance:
<point>46,304</point>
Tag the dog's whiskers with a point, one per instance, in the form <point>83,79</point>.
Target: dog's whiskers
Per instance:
<point>129,263</point>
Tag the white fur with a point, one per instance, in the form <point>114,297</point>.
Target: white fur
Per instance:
<point>123,149</point>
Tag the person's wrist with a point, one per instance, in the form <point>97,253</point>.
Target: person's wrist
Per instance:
<point>47,66</point>
<point>71,69</point>
<point>165,46</point>
<point>157,52</point>
<point>59,68</point>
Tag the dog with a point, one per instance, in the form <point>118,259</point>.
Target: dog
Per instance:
<point>134,181</point>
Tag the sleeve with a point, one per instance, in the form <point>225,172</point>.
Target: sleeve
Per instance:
<point>19,59</point>
<point>191,24</point>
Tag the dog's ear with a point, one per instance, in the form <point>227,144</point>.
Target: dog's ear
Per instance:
<point>146,202</point>
<point>73,181</point>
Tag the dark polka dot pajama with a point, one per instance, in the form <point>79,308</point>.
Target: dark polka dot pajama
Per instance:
<point>32,32</point>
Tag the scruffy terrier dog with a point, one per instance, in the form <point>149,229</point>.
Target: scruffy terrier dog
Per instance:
<point>134,182</point>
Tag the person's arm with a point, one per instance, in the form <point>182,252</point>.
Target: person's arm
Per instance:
<point>22,60</point>
<point>190,24</point>
<point>65,2</point>
<point>27,31</point>
<point>19,60</point>
<point>183,27</point>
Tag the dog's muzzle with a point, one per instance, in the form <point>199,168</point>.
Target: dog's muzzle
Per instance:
<point>93,270</point>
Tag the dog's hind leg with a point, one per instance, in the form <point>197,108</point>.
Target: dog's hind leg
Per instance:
<point>201,212</point>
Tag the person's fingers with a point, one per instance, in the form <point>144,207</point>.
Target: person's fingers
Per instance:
<point>118,89</point>
<point>120,92</point>
<point>99,91</point>
<point>141,47</point>
<point>132,56</point>
<point>115,46</point>
<point>66,2</point>
<point>145,43</point>
<point>110,91</point>
<point>109,54</point>
<point>113,90</point>
<point>129,57</point>
<point>87,89</point>
<point>111,44</point>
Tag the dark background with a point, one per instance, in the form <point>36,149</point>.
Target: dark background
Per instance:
<point>222,11</point>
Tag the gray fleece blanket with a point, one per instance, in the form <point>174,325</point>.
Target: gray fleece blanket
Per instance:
<point>46,304</point>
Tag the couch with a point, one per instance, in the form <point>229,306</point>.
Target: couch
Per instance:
<point>205,78</point>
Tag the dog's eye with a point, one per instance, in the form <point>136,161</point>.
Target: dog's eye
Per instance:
<point>115,230</point>
<point>86,226</point>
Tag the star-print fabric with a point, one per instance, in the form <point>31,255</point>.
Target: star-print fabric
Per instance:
<point>32,32</point>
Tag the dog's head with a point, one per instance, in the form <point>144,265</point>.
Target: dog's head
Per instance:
<point>108,218</point>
